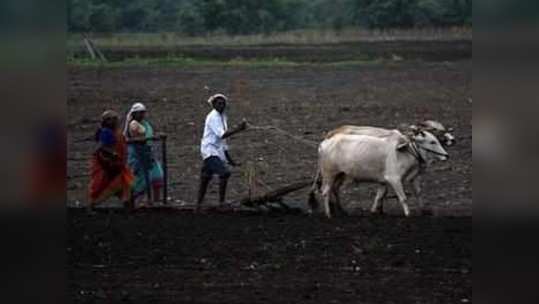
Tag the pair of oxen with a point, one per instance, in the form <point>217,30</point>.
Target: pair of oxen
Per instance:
<point>386,157</point>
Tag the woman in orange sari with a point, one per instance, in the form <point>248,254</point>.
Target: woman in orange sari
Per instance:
<point>110,175</point>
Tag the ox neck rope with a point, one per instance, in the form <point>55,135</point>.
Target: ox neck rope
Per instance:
<point>414,150</point>
<point>283,132</point>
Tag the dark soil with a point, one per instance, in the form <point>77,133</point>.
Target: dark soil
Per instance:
<point>176,257</point>
<point>305,101</point>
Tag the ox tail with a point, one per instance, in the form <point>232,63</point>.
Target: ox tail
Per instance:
<point>317,184</point>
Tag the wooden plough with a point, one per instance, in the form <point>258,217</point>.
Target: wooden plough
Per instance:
<point>268,197</point>
<point>274,195</point>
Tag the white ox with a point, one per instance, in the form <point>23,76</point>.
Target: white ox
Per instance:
<point>376,155</point>
<point>436,128</point>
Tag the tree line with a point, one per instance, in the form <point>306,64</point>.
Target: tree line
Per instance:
<point>198,17</point>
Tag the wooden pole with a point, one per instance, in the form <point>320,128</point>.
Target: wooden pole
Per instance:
<point>96,50</point>
<point>89,48</point>
<point>145,159</point>
<point>165,168</point>
<point>92,49</point>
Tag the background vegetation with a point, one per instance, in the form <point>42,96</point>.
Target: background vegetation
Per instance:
<point>241,17</point>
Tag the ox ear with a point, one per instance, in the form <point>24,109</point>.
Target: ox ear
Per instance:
<point>401,147</point>
<point>402,144</point>
<point>414,129</point>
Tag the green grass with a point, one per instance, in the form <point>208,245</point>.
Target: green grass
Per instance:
<point>170,41</point>
<point>186,62</point>
<point>298,37</point>
<point>179,62</point>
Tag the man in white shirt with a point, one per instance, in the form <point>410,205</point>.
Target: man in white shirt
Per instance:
<point>214,149</point>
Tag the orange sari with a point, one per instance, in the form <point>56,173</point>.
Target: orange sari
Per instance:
<point>111,176</point>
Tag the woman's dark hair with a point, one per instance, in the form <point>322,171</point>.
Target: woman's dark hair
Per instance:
<point>98,131</point>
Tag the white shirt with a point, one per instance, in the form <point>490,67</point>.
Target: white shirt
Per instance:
<point>212,143</point>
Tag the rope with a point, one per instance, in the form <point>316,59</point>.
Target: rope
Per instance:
<point>283,132</point>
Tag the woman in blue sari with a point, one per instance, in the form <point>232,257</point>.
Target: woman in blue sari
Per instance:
<point>148,171</point>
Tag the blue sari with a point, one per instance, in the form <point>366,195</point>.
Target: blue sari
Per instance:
<point>147,170</point>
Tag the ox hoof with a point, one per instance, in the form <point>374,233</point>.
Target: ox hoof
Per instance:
<point>406,212</point>
<point>379,211</point>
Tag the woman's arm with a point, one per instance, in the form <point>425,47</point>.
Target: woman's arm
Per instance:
<point>143,139</point>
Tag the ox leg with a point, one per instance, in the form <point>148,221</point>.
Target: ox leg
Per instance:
<point>396,184</point>
<point>315,189</point>
<point>381,192</point>
<point>326,196</point>
<point>336,186</point>
<point>415,179</point>
<point>416,183</point>
<point>337,205</point>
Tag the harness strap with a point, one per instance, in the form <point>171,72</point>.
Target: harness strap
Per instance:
<point>415,152</point>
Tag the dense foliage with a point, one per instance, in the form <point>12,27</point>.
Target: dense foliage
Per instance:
<point>260,16</point>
